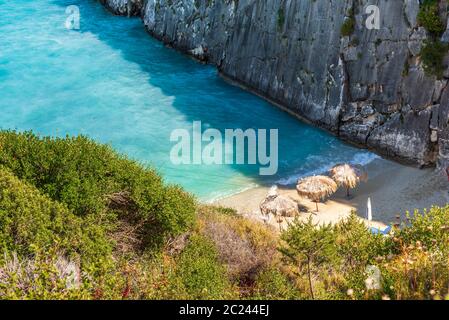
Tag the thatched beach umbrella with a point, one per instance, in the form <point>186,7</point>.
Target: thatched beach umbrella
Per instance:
<point>278,205</point>
<point>316,188</point>
<point>348,175</point>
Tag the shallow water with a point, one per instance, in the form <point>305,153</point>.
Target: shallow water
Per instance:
<point>111,81</point>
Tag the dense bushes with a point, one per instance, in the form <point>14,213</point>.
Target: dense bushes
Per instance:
<point>348,27</point>
<point>344,261</point>
<point>433,54</point>
<point>78,221</point>
<point>349,24</point>
<point>411,263</point>
<point>430,228</point>
<point>433,51</point>
<point>273,284</point>
<point>198,273</point>
<point>31,223</point>
<point>71,199</point>
<point>429,17</point>
<point>92,180</point>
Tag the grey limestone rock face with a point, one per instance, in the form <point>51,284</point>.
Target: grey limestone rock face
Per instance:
<point>445,36</point>
<point>403,135</point>
<point>124,7</point>
<point>368,87</point>
<point>441,118</point>
<point>416,41</point>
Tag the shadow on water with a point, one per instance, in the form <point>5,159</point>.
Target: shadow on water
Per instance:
<point>200,94</point>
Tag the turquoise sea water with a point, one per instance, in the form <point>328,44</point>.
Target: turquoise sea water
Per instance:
<point>111,81</point>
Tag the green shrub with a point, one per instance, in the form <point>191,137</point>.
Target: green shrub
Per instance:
<point>91,179</point>
<point>176,213</point>
<point>199,274</point>
<point>272,284</point>
<point>432,55</point>
<point>430,228</point>
<point>335,261</point>
<point>417,266</point>
<point>31,222</point>
<point>309,245</point>
<point>281,18</point>
<point>429,18</point>
<point>433,51</point>
<point>348,27</point>
<point>356,246</point>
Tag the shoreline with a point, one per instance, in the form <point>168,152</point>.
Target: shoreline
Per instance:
<point>394,189</point>
<point>284,108</point>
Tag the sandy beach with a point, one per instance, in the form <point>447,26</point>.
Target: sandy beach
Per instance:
<point>393,188</point>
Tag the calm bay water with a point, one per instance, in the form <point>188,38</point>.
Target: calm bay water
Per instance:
<point>114,83</point>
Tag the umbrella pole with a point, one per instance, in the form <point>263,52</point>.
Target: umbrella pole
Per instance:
<point>347,192</point>
<point>316,203</point>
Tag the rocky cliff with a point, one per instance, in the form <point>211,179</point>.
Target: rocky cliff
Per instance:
<point>320,60</point>
<point>124,7</point>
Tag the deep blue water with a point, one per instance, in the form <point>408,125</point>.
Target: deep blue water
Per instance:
<point>111,81</point>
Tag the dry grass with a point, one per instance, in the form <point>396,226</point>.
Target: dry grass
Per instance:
<point>246,247</point>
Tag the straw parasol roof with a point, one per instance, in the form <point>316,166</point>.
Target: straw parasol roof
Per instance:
<point>348,175</point>
<point>278,205</point>
<point>316,188</point>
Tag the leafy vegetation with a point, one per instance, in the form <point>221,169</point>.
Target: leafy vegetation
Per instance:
<point>433,51</point>
<point>409,264</point>
<point>429,17</point>
<point>348,26</point>
<point>432,55</point>
<point>78,221</point>
<point>281,18</point>
<point>31,223</point>
<point>93,181</point>
<point>198,273</point>
<point>308,245</point>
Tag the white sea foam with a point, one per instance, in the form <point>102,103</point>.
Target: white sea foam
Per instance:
<point>362,158</point>
<point>216,196</point>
